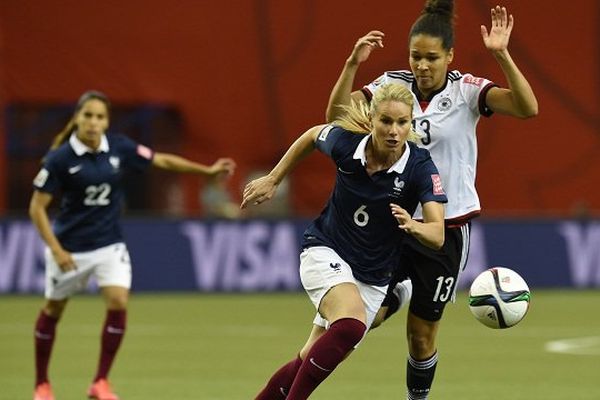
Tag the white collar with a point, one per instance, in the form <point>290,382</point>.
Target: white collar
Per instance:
<point>398,166</point>
<point>80,148</point>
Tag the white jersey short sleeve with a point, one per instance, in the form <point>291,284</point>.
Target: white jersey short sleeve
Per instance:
<point>447,126</point>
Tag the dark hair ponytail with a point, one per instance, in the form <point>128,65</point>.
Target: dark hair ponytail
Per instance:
<point>437,20</point>
<point>64,134</point>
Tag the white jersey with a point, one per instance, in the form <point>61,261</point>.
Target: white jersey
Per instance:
<point>447,128</point>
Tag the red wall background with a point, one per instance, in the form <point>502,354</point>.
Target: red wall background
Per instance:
<point>249,76</point>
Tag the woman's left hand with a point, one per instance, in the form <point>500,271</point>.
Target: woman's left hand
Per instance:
<point>497,38</point>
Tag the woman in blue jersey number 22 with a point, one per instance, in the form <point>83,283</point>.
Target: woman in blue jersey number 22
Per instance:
<point>450,104</point>
<point>85,164</point>
<point>350,250</point>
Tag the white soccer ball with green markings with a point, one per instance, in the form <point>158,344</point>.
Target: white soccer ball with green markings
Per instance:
<point>499,298</point>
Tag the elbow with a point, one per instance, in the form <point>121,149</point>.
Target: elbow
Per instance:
<point>33,212</point>
<point>529,111</point>
<point>437,245</point>
<point>532,112</point>
<point>439,242</point>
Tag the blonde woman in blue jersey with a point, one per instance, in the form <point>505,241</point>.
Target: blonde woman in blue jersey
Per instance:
<point>449,105</point>
<point>349,251</point>
<point>85,165</point>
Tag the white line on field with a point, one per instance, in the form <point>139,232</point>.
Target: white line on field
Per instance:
<point>583,346</point>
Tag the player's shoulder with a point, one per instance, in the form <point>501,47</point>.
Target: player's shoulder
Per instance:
<point>62,154</point>
<point>403,77</point>
<point>116,138</point>
<point>466,79</point>
<point>118,142</point>
<point>334,131</point>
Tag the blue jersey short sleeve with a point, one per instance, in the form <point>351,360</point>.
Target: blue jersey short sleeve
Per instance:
<point>327,140</point>
<point>47,179</point>
<point>429,183</point>
<point>136,156</point>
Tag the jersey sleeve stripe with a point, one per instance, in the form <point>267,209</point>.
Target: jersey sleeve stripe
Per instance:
<point>483,108</point>
<point>367,93</point>
<point>402,75</point>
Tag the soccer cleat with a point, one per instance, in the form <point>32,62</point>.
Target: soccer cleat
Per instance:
<point>100,390</point>
<point>43,391</point>
<point>403,291</point>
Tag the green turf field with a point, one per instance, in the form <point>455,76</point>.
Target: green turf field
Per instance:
<point>224,347</point>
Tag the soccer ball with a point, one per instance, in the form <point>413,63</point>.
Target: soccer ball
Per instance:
<point>499,298</point>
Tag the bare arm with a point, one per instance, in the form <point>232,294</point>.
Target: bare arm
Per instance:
<point>39,216</point>
<point>264,188</point>
<point>342,91</point>
<point>518,100</point>
<point>175,163</point>
<point>430,232</point>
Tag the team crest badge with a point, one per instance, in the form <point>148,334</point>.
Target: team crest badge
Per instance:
<point>114,161</point>
<point>398,184</point>
<point>444,104</point>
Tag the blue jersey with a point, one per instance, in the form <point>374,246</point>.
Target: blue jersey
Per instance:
<point>357,221</point>
<point>90,184</point>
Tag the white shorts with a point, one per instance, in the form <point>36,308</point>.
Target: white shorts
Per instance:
<point>110,266</point>
<point>321,268</point>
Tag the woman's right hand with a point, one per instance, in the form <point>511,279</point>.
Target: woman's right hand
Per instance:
<point>64,260</point>
<point>259,190</point>
<point>364,46</point>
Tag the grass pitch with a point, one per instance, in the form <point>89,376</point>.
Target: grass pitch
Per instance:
<point>225,347</point>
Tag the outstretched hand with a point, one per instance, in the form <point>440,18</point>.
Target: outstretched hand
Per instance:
<point>222,166</point>
<point>258,191</point>
<point>497,38</point>
<point>364,46</point>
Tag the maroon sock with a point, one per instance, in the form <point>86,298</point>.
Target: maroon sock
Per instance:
<point>325,355</point>
<point>278,386</point>
<point>112,335</point>
<point>45,328</point>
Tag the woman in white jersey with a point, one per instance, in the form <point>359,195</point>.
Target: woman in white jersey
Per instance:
<point>451,103</point>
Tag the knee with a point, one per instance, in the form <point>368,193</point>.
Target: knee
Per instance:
<point>55,308</point>
<point>379,317</point>
<point>117,304</point>
<point>116,298</point>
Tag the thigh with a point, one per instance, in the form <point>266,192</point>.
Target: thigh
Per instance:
<point>62,285</point>
<point>322,270</point>
<point>343,301</point>
<point>113,266</point>
<point>434,273</point>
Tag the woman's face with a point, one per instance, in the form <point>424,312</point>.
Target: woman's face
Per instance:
<point>429,62</point>
<point>92,122</point>
<point>391,126</point>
